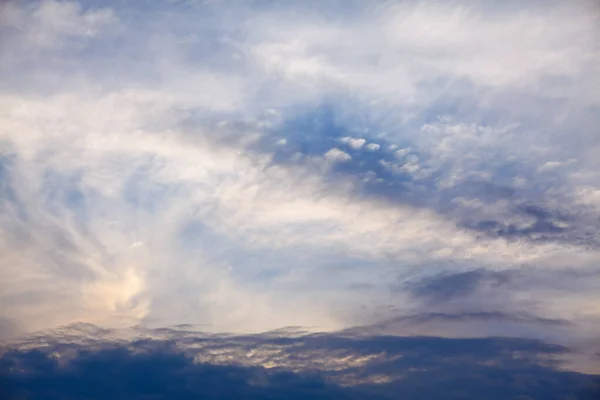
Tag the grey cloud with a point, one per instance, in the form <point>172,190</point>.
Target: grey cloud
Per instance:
<point>579,226</point>
<point>498,289</point>
<point>478,316</point>
<point>84,361</point>
<point>455,284</point>
<point>447,286</point>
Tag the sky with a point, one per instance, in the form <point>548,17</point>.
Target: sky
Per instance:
<point>404,168</point>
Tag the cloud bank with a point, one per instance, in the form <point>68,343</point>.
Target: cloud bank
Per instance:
<point>86,361</point>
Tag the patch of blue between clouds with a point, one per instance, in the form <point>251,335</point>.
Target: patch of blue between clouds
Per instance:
<point>381,172</point>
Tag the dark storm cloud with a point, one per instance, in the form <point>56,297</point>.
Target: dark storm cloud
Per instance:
<point>184,365</point>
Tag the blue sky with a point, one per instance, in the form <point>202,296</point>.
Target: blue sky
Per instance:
<point>405,168</point>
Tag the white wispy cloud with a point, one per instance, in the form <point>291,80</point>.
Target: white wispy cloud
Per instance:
<point>48,24</point>
<point>110,163</point>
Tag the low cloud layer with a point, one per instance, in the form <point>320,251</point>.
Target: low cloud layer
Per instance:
<point>86,361</point>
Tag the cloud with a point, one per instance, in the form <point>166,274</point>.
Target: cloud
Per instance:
<point>49,23</point>
<point>394,50</point>
<point>256,167</point>
<point>337,155</point>
<point>498,316</point>
<point>355,143</point>
<point>82,360</point>
<point>445,287</point>
<point>489,302</point>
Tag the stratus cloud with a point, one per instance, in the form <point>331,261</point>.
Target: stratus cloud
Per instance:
<point>180,362</point>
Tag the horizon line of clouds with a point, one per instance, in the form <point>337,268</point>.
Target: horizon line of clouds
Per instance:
<point>287,361</point>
